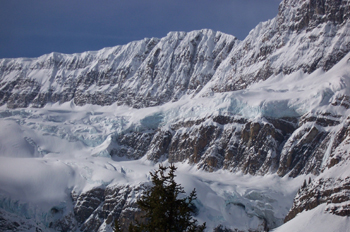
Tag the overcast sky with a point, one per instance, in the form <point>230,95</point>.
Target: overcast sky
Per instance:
<point>30,28</point>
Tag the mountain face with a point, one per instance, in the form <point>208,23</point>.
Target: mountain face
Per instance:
<point>140,74</point>
<point>305,35</point>
<point>275,104</point>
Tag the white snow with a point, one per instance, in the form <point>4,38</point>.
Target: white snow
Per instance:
<point>47,153</point>
<point>316,220</point>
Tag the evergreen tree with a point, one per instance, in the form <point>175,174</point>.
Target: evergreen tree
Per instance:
<point>164,210</point>
<point>116,226</point>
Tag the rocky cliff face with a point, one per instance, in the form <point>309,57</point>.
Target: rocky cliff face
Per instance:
<point>333,192</point>
<point>286,145</point>
<point>330,189</point>
<point>305,35</point>
<point>220,142</point>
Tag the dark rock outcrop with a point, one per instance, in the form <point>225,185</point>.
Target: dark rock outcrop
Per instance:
<point>98,206</point>
<point>133,145</point>
<point>333,192</point>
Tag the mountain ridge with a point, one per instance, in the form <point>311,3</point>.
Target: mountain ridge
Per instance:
<point>187,62</point>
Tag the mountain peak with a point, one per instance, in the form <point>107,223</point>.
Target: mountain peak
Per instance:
<point>301,14</point>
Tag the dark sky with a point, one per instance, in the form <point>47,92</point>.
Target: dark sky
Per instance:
<point>30,28</point>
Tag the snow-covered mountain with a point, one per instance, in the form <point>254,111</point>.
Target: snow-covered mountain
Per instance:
<point>140,74</point>
<point>245,121</point>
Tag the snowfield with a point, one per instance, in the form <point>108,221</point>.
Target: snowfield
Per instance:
<point>316,220</point>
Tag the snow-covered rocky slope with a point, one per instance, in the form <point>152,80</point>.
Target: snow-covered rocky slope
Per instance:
<point>245,121</point>
<point>304,36</point>
<point>140,74</point>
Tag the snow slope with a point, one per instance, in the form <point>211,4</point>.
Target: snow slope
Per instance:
<point>316,220</point>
